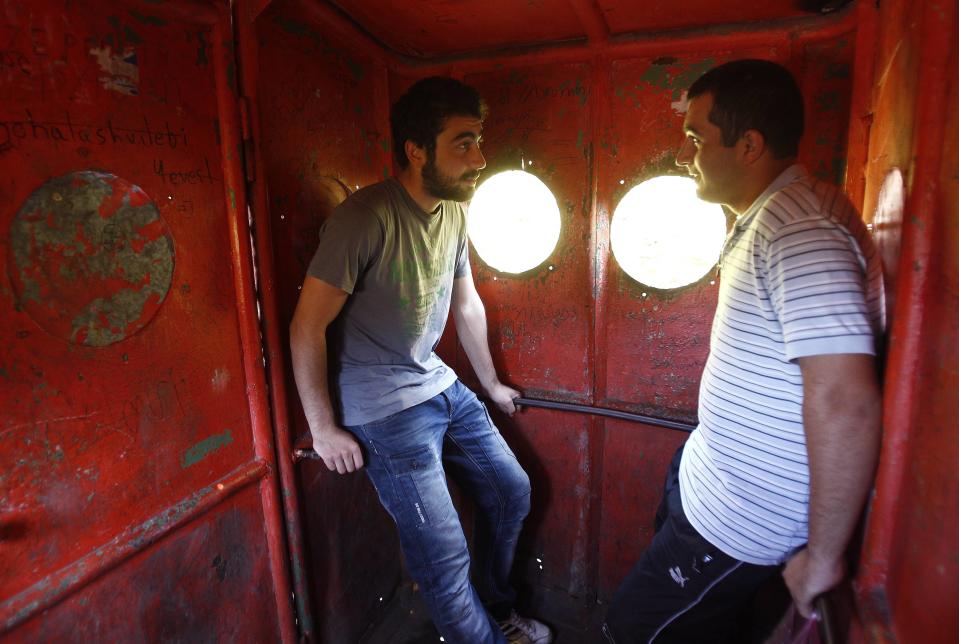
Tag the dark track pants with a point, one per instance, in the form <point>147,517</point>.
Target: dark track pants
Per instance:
<point>683,589</point>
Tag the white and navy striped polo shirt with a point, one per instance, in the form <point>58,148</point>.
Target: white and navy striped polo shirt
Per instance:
<point>800,277</point>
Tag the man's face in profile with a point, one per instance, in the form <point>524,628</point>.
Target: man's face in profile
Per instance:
<point>713,166</point>
<point>453,166</point>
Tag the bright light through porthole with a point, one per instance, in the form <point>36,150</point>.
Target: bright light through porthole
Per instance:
<point>514,221</point>
<point>664,236</point>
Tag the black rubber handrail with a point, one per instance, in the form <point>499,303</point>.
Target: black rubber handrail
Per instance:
<point>308,453</point>
<point>604,411</point>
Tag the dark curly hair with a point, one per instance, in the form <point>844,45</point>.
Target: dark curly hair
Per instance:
<point>420,114</point>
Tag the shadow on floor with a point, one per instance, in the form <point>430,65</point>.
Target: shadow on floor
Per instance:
<point>406,621</point>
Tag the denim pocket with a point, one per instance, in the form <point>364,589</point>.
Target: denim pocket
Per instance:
<point>495,430</point>
<point>420,484</point>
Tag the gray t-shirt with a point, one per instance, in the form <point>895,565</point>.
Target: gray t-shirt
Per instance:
<point>398,264</point>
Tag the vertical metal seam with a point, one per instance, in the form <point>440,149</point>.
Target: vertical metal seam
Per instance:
<point>246,304</point>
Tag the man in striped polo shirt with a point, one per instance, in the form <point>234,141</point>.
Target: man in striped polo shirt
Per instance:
<point>789,408</point>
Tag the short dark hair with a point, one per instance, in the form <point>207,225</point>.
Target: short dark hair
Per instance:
<point>754,95</point>
<point>420,114</point>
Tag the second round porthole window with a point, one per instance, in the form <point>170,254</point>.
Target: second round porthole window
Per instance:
<point>664,236</point>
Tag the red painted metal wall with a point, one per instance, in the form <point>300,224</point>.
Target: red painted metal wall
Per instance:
<point>909,565</point>
<point>136,462</point>
<point>321,122</point>
<point>140,488</point>
<point>576,328</point>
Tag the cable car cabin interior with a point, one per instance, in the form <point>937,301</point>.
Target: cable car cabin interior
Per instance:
<point>166,167</point>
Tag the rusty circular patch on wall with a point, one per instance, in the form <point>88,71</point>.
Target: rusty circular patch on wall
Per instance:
<point>92,258</point>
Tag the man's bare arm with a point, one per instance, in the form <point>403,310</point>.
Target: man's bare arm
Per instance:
<point>318,306</point>
<point>842,410</point>
<point>470,317</point>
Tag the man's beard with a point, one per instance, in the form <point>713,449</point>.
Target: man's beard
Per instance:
<point>445,187</point>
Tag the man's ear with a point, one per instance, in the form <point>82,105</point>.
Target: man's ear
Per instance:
<point>415,153</point>
<point>754,145</point>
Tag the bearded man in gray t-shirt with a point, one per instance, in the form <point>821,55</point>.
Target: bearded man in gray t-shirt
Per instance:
<point>391,264</point>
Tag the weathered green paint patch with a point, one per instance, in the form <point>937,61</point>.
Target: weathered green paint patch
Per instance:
<point>201,51</point>
<point>355,69</point>
<point>661,75</point>
<point>204,448</point>
<point>299,576</point>
<point>828,100</point>
<point>295,27</point>
<point>148,20</point>
<point>129,36</point>
<point>150,529</point>
<point>124,308</point>
<point>836,70</point>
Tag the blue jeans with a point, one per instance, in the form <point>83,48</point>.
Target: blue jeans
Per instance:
<point>408,457</point>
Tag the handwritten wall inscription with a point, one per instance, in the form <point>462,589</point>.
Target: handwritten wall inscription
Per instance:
<point>180,177</point>
<point>108,132</point>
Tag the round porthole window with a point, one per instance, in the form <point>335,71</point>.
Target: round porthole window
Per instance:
<point>514,221</point>
<point>664,236</point>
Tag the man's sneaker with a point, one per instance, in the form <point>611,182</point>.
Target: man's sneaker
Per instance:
<point>523,630</point>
